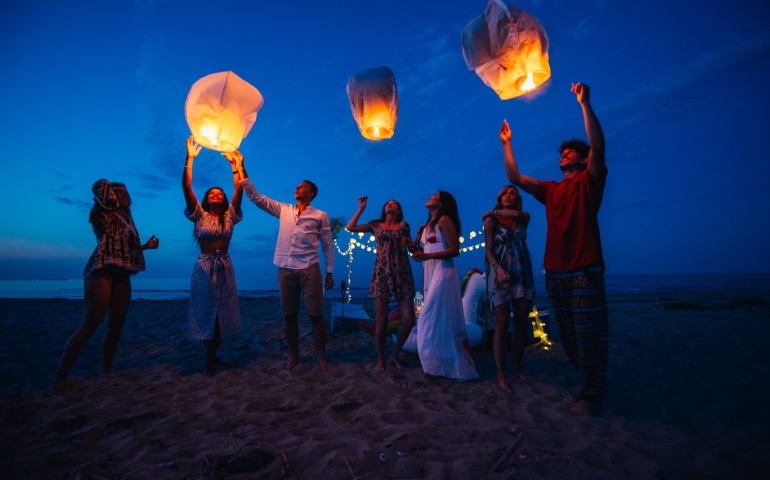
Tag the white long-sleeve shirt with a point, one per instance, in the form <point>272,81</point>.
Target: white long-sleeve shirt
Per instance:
<point>298,235</point>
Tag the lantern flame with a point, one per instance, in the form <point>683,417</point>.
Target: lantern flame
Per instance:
<point>210,134</point>
<point>528,84</point>
<point>374,102</point>
<point>508,49</point>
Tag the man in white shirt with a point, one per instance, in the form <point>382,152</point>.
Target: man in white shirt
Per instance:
<point>297,259</point>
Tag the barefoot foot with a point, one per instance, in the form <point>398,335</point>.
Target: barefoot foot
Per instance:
<point>396,363</point>
<point>584,408</point>
<point>503,384</point>
<point>219,363</point>
<point>325,366</point>
<point>64,385</point>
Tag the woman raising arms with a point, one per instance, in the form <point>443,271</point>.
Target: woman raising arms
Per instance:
<point>214,311</point>
<point>392,277</point>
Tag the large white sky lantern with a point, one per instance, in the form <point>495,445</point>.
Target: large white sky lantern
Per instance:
<point>374,102</point>
<point>221,109</point>
<point>508,49</point>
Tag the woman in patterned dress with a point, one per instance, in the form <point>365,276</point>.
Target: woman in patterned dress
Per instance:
<point>505,235</point>
<point>214,311</point>
<point>107,277</point>
<point>392,278</point>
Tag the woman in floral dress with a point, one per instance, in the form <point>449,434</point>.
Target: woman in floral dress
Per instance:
<point>392,278</point>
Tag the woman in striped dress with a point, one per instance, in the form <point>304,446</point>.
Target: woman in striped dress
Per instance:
<point>214,311</point>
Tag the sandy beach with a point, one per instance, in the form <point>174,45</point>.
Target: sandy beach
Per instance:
<point>688,398</point>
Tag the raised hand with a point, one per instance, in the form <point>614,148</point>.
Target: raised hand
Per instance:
<point>193,148</point>
<point>582,92</point>
<point>505,132</point>
<point>235,158</point>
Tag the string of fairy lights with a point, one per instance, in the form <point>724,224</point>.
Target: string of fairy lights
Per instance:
<point>368,243</point>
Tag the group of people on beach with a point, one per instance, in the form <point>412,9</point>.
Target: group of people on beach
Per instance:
<point>573,264</point>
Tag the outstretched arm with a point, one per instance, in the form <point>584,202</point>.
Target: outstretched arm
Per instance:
<point>353,223</point>
<point>528,184</point>
<point>596,161</point>
<point>518,215</point>
<point>236,163</point>
<point>193,149</point>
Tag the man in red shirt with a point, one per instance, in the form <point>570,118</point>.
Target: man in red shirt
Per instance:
<point>573,260</point>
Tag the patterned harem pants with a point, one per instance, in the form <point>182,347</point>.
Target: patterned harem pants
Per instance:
<point>580,306</point>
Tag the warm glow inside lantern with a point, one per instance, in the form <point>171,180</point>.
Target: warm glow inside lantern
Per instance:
<point>221,108</point>
<point>508,49</point>
<point>374,102</point>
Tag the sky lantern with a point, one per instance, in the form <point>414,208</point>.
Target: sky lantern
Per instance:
<point>508,49</point>
<point>374,102</point>
<point>221,109</point>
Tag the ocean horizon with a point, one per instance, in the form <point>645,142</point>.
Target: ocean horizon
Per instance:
<point>178,288</point>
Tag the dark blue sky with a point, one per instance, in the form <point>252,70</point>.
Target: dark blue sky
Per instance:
<point>97,90</point>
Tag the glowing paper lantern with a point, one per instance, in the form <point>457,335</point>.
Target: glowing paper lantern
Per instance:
<point>508,49</point>
<point>221,109</point>
<point>374,102</point>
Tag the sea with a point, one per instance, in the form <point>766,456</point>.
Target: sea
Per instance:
<point>178,288</point>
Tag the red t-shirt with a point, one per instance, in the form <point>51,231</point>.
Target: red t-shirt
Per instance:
<point>571,208</point>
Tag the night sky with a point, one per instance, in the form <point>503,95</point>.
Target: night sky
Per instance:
<point>97,89</point>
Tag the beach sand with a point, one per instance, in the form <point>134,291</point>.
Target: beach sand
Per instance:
<point>688,398</point>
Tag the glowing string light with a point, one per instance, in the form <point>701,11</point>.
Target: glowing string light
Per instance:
<point>370,245</point>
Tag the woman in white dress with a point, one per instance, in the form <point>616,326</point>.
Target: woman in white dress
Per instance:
<point>442,340</point>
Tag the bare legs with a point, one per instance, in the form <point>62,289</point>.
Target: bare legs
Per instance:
<point>100,296</point>
<point>406,308</point>
<point>212,346</point>
<point>380,331</point>
<point>120,300</point>
<point>291,331</point>
<point>521,324</point>
<point>502,314</point>
<point>319,340</point>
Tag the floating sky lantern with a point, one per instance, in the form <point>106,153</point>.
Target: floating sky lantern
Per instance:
<point>221,109</point>
<point>374,102</point>
<point>508,49</point>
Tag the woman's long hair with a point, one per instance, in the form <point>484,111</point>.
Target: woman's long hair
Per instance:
<point>206,206</point>
<point>105,200</point>
<point>399,216</point>
<point>448,207</point>
<point>517,205</point>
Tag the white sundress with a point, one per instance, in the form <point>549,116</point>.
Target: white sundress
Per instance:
<point>442,339</point>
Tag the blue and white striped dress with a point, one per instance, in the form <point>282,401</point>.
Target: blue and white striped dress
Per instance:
<point>213,293</point>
